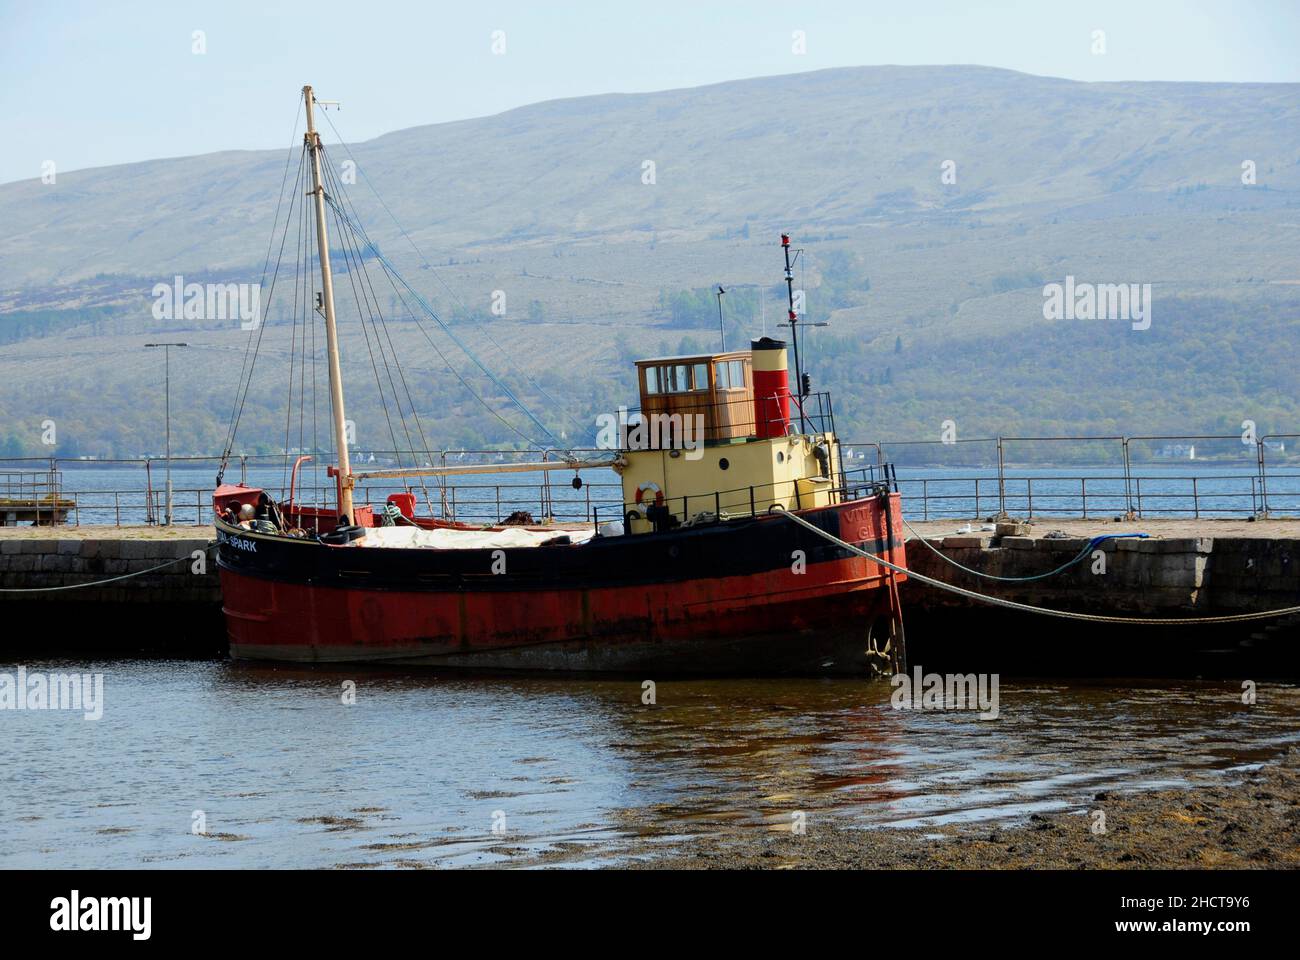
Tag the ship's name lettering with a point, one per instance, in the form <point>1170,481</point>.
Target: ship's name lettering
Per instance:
<point>857,523</point>
<point>239,543</point>
<point>858,515</point>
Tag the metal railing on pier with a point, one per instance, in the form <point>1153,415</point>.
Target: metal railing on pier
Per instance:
<point>1088,477</point>
<point>32,494</point>
<point>1191,476</point>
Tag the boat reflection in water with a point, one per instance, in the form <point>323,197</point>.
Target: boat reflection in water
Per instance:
<point>414,770</point>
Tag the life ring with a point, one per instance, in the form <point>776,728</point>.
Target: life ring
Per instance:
<point>647,488</point>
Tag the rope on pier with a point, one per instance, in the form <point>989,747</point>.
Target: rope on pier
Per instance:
<point>1091,545</point>
<point>1028,608</point>
<point>100,583</point>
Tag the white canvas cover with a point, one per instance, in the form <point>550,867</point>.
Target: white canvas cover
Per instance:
<point>450,539</point>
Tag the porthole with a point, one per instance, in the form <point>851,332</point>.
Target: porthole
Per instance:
<point>724,464</point>
<point>780,456</point>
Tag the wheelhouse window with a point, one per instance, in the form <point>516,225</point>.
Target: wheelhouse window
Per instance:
<point>677,378</point>
<point>729,374</point>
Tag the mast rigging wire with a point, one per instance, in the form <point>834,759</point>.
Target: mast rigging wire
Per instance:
<point>352,235</point>
<point>584,429</point>
<point>424,304</point>
<point>237,410</point>
<point>367,297</point>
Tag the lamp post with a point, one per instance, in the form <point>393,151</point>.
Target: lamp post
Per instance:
<point>167,416</point>
<point>722,331</point>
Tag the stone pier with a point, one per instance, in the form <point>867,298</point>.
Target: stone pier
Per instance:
<point>175,609</point>
<point>1182,569</point>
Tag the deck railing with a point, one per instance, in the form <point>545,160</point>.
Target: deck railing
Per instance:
<point>748,501</point>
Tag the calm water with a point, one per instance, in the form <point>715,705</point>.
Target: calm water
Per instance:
<point>416,770</point>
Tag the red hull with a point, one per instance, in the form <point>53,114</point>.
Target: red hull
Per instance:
<point>823,619</point>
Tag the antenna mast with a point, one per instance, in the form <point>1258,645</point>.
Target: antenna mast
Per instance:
<point>794,328</point>
<point>312,139</point>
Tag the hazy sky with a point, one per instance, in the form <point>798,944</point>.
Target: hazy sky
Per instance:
<point>91,84</point>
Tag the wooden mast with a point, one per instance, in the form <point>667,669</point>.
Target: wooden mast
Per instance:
<point>346,481</point>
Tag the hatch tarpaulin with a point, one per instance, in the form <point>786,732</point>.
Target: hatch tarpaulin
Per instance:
<point>448,539</point>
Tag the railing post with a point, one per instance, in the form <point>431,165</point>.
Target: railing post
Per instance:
<point>977,493</point>
<point>1138,483</point>
<point>1128,482</point>
<point>1083,495</point>
<point>546,479</point>
<point>1196,503</point>
<point>443,486</point>
<point>1002,484</point>
<point>1029,494</point>
<point>1263,480</point>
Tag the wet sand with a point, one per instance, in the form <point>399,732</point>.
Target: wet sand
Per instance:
<point>1250,824</point>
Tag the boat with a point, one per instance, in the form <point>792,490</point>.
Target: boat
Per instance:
<point>698,571</point>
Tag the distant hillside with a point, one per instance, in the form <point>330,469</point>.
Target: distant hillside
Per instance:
<point>931,286</point>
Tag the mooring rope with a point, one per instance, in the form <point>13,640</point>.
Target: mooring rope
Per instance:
<point>1091,545</point>
<point>100,583</point>
<point>1028,608</point>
